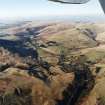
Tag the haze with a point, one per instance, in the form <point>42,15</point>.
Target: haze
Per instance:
<point>40,8</point>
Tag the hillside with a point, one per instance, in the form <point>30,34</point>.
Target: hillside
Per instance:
<point>52,63</point>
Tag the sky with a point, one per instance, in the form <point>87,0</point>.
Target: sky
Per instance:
<point>40,8</point>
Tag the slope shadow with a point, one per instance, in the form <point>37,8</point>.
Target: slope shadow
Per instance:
<point>18,47</point>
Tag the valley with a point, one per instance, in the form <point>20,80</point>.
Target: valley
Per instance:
<point>52,63</point>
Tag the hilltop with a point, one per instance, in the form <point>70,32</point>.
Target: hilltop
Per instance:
<point>52,63</point>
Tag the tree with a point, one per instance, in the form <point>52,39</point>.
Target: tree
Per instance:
<point>62,57</point>
<point>33,42</point>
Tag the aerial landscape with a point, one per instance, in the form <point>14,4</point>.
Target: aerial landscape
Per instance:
<point>57,59</point>
<point>52,63</point>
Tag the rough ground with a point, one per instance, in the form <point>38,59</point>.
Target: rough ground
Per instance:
<point>52,64</point>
